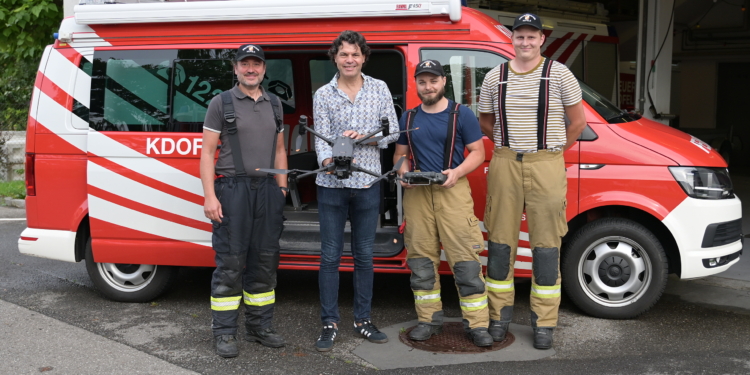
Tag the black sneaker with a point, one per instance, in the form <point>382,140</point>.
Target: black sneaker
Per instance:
<point>267,337</point>
<point>498,329</point>
<point>325,341</point>
<point>226,346</point>
<point>543,338</point>
<point>424,331</point>
<point>370,332</point>
<point>480,337</point>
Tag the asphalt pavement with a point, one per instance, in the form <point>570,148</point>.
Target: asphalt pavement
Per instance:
<point>53,321</point>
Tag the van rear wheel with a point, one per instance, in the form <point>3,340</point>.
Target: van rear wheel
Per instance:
<point>614,268</point>
<point>129,282</point>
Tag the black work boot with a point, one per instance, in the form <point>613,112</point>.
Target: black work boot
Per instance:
<point>480,337</point>
<point>498,330</point>
<point>267,337</point>
<point>226,346</point>
<point>542,338</point>
<point>424,331</point>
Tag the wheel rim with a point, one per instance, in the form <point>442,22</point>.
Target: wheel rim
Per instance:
<point>127,277</point>
<point>614,271</point>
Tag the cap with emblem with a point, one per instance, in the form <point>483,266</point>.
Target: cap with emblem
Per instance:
<point>249,50</point>
<point>429,66</point>
<point>528,19</point>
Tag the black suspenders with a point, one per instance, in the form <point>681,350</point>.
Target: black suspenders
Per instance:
<point>542,113</point>
<point>450,139</point>
<point>543,108</point>
<point>234,139</point>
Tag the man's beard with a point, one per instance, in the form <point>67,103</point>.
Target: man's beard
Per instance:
<point>427,101</point>
<point>246,83</point>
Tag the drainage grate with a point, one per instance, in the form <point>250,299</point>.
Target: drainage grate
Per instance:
<point>453,340</point>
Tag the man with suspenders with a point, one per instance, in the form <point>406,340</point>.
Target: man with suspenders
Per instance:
<point>245,206</point>
<point>442,214</point>
<point>522,108</point>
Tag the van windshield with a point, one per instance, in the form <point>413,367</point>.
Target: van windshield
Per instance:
<point>604,107</point>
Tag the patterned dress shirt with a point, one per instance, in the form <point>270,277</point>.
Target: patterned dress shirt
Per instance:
<point>334,114</point>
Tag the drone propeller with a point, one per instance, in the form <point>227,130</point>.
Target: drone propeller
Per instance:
<point>278,171</point>
<point>389,173</point>
<point>375,139</point>
<point>292,173</point>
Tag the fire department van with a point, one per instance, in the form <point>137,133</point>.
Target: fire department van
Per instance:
<point>114,139</point>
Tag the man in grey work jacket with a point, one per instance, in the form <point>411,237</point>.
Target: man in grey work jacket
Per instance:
<point>350,105</point>
<point>245,206</point>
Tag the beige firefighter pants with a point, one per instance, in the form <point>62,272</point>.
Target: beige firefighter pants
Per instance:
<point>436,215</point>
<point>538,182</point>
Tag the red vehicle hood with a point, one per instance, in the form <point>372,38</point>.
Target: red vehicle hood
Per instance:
<point>681,147</point>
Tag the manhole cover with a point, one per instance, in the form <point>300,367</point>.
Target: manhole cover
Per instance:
<point>453,340</point>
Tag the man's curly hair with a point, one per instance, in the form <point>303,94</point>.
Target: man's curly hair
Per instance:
<point>352,37</point>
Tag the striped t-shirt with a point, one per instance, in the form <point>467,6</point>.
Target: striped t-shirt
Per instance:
<point>522,101</point>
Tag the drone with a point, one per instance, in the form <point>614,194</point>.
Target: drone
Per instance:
<point>343,164</point>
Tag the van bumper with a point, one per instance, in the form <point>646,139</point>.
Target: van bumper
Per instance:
<point>689,222</point>
<point>48,243</point>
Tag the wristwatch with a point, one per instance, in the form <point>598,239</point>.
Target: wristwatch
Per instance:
<point>284,189</point>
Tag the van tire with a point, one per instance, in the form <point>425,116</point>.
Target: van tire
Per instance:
<point>614,268</point>
<point>129,282</point>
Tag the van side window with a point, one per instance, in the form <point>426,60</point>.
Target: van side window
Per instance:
<point>129,90</point>
<point>465,70</point>
<point>168,90</point>
<point>80,109</point>
<point>279,80</point>
<point>194,84</point>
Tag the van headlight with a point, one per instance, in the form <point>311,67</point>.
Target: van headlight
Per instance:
<point>703,182</point>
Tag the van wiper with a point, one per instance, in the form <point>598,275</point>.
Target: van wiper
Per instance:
<point>621,114</point>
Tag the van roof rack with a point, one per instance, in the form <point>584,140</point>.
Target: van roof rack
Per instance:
<point>94,12</point>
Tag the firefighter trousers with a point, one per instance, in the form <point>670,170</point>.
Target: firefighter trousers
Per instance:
<point>436,215</point>
<point>246,243</point>
<point>536,182</point>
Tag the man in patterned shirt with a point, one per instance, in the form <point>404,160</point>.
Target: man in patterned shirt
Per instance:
<point>522,108</point>
<point>350,105</point>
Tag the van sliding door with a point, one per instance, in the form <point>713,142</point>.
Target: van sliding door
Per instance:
<point>146,118</point>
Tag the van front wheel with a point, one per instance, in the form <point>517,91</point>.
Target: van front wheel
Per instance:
<point>129,282</point>
<point>614,268</point>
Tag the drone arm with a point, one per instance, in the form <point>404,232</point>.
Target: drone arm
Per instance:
<point>357,168</point>
<point>321,136</point>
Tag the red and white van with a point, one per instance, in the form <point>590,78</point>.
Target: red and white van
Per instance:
<point>114,138</point>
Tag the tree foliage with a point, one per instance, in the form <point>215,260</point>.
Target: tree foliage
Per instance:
<point>29,25</point>
<point>28,28</point>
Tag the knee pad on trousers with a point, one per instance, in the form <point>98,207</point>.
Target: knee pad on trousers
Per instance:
<point>498,260</point>
<point>544,264</point>
<point>467,277</point>
<point>422,273</point>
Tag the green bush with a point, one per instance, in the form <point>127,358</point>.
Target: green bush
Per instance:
<point>13,189</point>
<point>28,27</point>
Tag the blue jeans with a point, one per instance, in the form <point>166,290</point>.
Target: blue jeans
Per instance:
<point>362,208</point>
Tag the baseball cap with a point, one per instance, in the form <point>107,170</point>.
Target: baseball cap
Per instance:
<point>528,19</point>
<point>429,66</point>
<point>249,50</point>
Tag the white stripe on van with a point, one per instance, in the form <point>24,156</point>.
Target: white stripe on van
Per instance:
<point>116,152</point>
<point>114,183</point>
<point>113,213</point>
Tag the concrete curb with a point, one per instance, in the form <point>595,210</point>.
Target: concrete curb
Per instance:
<point>18,203</point>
